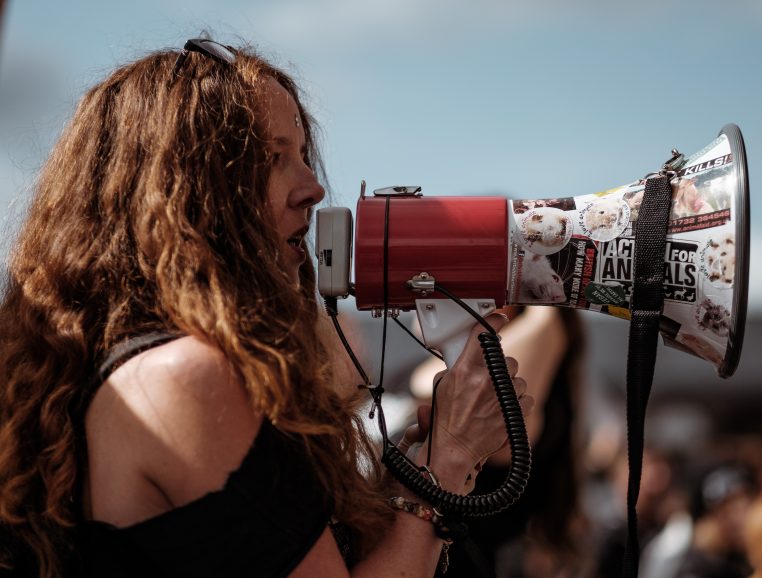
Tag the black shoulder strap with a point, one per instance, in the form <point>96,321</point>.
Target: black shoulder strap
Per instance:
<point>130,348</point>
<point>116,357</point>
<point>646,308</point>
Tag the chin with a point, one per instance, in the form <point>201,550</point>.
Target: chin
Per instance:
<point>295,278</point>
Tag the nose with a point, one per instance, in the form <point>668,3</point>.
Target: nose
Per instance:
<point>308,191</point>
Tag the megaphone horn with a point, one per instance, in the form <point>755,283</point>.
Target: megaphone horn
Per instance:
<point>570,252</point>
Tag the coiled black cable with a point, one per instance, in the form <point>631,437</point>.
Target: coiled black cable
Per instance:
<point>409,474</point>
<point>484,504</point>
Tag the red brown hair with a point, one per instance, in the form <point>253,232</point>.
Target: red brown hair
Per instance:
<point>150,215</point>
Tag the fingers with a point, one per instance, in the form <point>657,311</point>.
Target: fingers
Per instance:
<point>526,402</point>
<point>513,366</point>
<point>519,386</point>
<point>411,434</point>
<point>424,421</point>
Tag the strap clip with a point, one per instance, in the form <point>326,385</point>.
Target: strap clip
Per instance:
<point>669,169</point>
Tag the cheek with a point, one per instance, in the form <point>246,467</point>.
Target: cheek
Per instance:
<point>276,206</point>
<point>279,222</point>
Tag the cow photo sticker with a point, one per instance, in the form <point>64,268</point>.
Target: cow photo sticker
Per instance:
<point>605,218</point>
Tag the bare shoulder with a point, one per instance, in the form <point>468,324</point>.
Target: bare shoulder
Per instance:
<point>179,415</point>
<point>182,381</point>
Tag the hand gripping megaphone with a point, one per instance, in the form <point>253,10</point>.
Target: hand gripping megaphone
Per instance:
<point>567,252</point>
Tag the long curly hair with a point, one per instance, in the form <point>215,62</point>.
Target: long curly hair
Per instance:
<point>151,215</point>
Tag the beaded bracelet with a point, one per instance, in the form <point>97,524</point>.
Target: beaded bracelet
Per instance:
<point>419,510</point>
<point>430,515</point>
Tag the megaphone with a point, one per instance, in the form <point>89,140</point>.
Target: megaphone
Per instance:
<point>571,252</point>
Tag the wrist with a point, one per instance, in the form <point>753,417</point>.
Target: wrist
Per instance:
<point>452,464</point>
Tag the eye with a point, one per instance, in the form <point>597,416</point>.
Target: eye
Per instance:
<point>276,158</point>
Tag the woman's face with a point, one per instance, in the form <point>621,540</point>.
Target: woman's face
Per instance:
<point>292,189</point>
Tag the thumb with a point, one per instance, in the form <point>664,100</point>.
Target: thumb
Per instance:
<point>417,433</point>
<point>424,421</point>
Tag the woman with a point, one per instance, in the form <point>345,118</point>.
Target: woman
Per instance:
<point>166,238</point>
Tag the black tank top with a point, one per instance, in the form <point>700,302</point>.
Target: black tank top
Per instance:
<point>263,522</point>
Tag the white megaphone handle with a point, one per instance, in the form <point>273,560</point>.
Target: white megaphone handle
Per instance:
<point>446,326</point>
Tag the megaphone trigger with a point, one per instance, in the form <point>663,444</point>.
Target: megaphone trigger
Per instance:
<point>446,326</point>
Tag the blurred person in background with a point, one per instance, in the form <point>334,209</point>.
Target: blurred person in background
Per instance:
<point>661,502</point>
<point>720,504</point>
<point>753,537</point>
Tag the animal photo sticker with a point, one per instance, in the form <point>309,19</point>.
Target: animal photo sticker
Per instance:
<point>634,198</point>
<point>713,317</point>
<point>559,278</point>
<point>544,230</point>
<point>524,205</point>
<point>539,281</point>
<point>718,260</point>
<point>701,200</point>
<point>605,218</point>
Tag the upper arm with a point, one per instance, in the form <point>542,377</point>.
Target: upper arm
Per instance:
<point>193,422</point>
<point>537,339</point>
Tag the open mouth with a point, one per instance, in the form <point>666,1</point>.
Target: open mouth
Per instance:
<point>295,240</point>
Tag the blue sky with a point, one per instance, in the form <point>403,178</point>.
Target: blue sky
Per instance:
<point>521,97</point>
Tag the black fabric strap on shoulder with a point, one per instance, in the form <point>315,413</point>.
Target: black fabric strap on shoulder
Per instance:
<point>130,348</point>
<point>116,357</point>
<point>646,308</point>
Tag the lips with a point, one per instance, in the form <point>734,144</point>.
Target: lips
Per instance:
<point>295,241</point>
